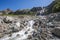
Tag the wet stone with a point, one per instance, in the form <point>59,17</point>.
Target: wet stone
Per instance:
<point>18,35</point>
<point>26,32</point>
<point>29,37</point>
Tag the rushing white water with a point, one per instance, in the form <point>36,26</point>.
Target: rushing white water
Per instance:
<point>18,24</point>
<point>21,34</point>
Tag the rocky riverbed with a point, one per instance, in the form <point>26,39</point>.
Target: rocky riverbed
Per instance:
<point>28,27</point>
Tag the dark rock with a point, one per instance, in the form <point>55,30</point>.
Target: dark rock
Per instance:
<point>29,37</point>
<point>18,35</point>
<point>26,32</point>
<point>35,9</point>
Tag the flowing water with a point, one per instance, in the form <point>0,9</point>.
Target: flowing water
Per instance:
<point>21,34</point>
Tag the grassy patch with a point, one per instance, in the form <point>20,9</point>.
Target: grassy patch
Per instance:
<point>15,15</point>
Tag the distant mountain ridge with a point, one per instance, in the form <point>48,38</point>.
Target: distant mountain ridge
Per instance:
<point>24,11</point>
<point>31,11</point>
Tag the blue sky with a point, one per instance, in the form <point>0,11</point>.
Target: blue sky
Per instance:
<point>22,4</point>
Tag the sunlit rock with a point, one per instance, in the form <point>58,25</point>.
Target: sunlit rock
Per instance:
<point>8,19</point>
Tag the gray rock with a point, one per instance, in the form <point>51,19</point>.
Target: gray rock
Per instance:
<point>8,19</point>
<point>56,31</point>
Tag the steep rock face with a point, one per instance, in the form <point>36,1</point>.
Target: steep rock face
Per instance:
<point>35,9</point>
<point>42,12</point>
<point>24,11</point>
<point>50,6</point>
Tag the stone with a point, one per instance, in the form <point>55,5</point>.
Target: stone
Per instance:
<point>8,19</point>
<point>29,37</point>
<point>26,32</point>
<point>56,31</point>
<point>3,28</point>
<point>1,35</point>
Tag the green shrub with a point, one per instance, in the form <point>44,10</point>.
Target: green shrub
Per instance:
<point>56,7</point>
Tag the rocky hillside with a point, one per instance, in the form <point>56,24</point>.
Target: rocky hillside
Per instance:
<point>54,7</point>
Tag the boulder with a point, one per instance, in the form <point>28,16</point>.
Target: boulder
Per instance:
<point>3,28</point>
<point>56,31</point>
<point>51,25</point>
<point>8,19</point>
<point>1,35</point>
<point>57,18</point>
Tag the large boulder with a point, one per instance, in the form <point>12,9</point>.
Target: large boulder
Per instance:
<point>57,18</point>
<point>8,19</point>
<point>3,29</point>
<point>56,31</point>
